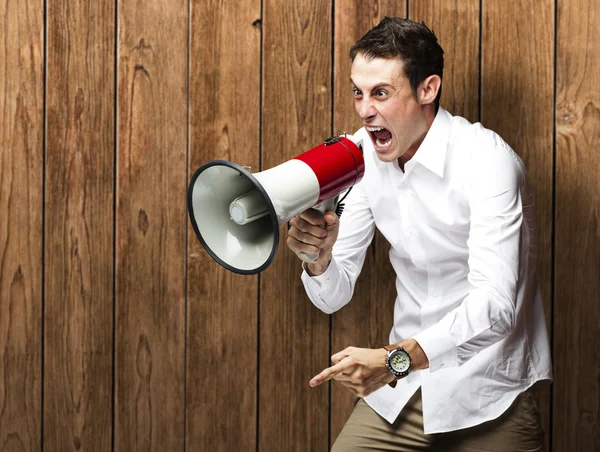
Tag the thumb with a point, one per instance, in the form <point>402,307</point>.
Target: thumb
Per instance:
<point>331,219</point>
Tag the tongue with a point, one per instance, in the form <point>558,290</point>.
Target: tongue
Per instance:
<point>383,135</point>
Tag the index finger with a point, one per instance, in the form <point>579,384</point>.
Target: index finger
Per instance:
<point>329,373</point>
<point>313,217</point>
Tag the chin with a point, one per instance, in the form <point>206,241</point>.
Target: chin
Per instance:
<point>388,155</point>
<point>386,158</point>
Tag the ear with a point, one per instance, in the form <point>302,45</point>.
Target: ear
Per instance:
<point>428,89</point>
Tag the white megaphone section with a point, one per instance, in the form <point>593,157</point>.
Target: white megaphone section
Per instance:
<point>237,215</point>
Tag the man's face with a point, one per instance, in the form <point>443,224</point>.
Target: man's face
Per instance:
<point>385,102</point>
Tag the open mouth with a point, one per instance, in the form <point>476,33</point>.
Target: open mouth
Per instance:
<point>382,138</point>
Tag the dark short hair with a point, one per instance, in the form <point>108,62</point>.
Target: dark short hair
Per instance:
<point>414,43</point>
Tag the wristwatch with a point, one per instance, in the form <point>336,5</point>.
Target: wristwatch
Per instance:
<point>398,362</point>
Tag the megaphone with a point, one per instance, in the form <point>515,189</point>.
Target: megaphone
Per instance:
<point>236,215</point>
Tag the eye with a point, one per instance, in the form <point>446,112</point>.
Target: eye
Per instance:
<point>381,94</point>
<point>356,92</point>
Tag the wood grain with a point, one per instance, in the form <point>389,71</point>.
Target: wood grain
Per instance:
<point>576,420</point>
<point>367,320</point>
<point>517,91</point>
<point>294,335</point>
<point>62,265</point>
<point>21,202</point>
<point>222,338</point>
<point>79,226</point>
<point>151,225</point>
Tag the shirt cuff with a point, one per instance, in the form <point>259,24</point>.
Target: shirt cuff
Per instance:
<point>326,279</point>
<point>320,289</point>
<point>439,347</point>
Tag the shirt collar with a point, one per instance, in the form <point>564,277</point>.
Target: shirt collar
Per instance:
<point>432,152</point>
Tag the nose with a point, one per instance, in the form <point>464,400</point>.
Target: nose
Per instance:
<point>365,109</point>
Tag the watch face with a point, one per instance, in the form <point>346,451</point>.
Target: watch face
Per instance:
<point>400,361</point>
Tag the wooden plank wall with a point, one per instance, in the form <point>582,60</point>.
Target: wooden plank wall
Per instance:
<point>79,226</point>
<point>21,223</point>
<point>119,332</point>
<point>150,225</point>
<point>294,336</point>
<point>222,335</point>
<point>576,282</point>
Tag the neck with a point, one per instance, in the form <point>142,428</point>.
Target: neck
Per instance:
<point>428,116</point>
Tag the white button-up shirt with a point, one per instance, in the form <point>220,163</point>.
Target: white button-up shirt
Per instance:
<point>460,222</point>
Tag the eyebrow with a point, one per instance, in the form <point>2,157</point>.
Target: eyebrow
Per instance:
<point>377,86</point>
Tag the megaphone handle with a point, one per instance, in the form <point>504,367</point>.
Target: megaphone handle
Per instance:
<point>325,206</point>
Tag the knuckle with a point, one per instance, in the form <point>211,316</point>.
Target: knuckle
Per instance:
<point>307,249</point>
<point>299,223</point>
<point>306,237</point>
<point>308,216</point>
<point>293,244</point>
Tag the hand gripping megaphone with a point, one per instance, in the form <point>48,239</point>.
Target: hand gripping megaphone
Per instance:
<point>236,215</point>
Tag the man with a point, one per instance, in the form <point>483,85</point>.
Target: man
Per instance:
<point>469,338</point>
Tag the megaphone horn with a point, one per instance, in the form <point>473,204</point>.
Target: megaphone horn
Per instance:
<point>236,215</point>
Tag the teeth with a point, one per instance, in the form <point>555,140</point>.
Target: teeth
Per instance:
<point>373,129</point>
<point>383,145</point>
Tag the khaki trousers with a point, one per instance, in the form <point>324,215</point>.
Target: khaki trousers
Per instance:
<point>518,429</point>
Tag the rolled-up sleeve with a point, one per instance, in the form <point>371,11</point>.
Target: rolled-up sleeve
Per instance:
<point>487,314</point>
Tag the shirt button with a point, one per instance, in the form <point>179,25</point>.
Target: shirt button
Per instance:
<point>403,184</point>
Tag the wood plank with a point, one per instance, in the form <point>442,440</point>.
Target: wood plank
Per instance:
<point>79,226</point>
<point>294,335</point>
<point>576,408</point>
<point>456,25</point>
<point>375,290</point>
<point>222,336</point>
<point>517,91</point>
<point>21,202</point>
<point>151,225</point>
